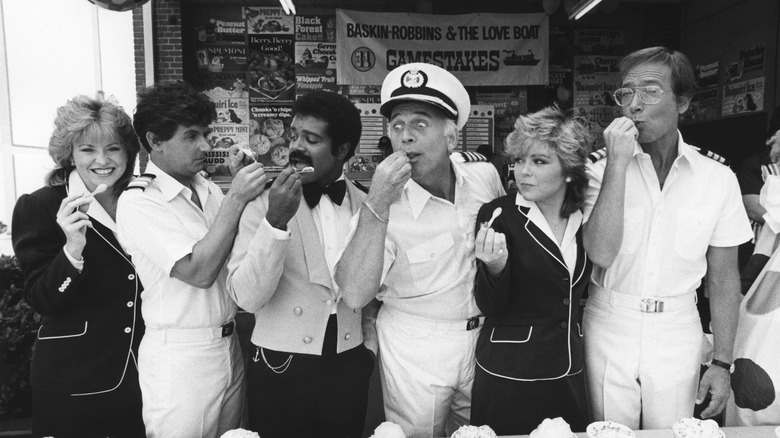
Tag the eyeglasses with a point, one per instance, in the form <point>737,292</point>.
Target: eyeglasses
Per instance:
<point>649,95</point>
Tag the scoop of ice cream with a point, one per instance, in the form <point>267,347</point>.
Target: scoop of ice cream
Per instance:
<point>388,430</point>
<point>553,428</point>
<point>474,432</point>
<point>609,429</point>
<point>695,428</point>
<point>240,433</point>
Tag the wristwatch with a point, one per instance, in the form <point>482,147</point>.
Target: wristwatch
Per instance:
<point>725,365</point>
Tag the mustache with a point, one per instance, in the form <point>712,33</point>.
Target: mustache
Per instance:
<point>300,157</point>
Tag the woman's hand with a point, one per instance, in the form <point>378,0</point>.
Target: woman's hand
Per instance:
<point>491,249</point>
<point>72,218</point>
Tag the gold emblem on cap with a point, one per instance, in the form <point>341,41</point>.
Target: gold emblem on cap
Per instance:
<point>414,79</point>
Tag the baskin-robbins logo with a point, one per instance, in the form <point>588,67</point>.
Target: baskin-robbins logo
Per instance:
<point>363,59</point>
<point>414,79</point>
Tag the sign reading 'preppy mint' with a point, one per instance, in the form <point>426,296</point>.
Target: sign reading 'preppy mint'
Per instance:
<point>480,49</point>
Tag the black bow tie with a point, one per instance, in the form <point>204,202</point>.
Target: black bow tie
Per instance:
<point>312,192</point>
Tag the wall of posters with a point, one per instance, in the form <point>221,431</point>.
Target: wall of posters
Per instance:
<point>480,49</point>
<point>596,78</point>
<point>742,97</point>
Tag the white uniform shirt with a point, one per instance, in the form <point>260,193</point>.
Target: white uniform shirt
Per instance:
<point>429,265</point>
<point>333,223</point>
<point>157,227</point>
<point>666,233</point>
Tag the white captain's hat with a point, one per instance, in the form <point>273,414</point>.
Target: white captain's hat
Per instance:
<point>421,82</point>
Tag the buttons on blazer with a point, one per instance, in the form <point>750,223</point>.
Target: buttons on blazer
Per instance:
<point>356,310</point>
<point>307,340</point>
<point>298,311</point>
<point>566,301</point>
<point>563,324</point>
<point>128,329</point>
<point>64,284</point>
<point>347,336</point>
<point>131,277</point>
<point>130,304</point>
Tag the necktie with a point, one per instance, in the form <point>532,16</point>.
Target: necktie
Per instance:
<point>312,192</point>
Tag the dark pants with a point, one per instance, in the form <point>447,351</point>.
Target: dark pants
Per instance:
<point>513,408</point>
<point>309,396</point>
<point>112,414</point>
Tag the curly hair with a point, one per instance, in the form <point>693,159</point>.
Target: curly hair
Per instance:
<point>568,136</point>
<point>163,107</point>
<point>82,117</point>
<point>341,115</point>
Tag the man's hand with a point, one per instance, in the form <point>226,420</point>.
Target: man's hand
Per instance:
<point>238,158</point>
<point>774,144</point>
<point>389,179</point>
<point>716,381</point>
<point>491,248</point>
<point>620,137</point>
<point>284,198</point>
<point>248,183</point>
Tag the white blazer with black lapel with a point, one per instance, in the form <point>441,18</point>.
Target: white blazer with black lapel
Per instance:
<point>284,280</point>
<point>532,330</point>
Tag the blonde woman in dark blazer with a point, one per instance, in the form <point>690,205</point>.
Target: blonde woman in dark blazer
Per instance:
<point>84,374</point>
<point>532,271</point>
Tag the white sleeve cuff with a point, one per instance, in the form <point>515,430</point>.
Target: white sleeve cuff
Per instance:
<point>275,232</point>
<point>78,264</point>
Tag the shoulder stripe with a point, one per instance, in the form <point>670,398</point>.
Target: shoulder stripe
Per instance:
<point>141,182</point>
<point>468,157</point>
<point>597,155</point>
<point>712,155</point>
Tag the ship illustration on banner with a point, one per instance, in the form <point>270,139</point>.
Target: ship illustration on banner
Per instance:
<point>514,59</point>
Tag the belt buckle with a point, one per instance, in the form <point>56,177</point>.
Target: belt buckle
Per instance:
<point>472,323</point>
<point>650,305</point>
<point>227,329</point>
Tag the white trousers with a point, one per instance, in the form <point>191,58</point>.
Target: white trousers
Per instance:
<point>427,370</point>
<point>192,388</point>
<point>641,365</point>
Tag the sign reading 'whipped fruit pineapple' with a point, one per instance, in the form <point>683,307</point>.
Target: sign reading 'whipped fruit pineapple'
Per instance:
<point>480,49</point>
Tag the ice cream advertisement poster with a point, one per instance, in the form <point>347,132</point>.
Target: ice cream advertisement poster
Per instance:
<point>315,28</point>
<point>599,41</point>
<point>269,134</point>
<point>217,25</point>
<point>309,55</point>
<point>595,79</point>
<point>743,97</point>
<point>216,59</point>
<point>221,137</point>
<point>704,105</point>
<point>268,20</point>
<point>270,69</point>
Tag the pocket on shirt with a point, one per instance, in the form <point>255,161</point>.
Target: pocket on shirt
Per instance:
<point>511,334</point>
<point>427,264</point>
<point>692,232</point>
<point>633,229</point>
<point>62,331</point>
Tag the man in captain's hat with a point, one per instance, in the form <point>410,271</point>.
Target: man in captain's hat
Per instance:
<point>415,242</point>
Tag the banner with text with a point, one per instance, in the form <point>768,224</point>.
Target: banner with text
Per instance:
<point>480,49</point>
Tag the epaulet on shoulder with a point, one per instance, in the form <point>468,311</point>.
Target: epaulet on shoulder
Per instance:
<point>359,186</point>
<point>711,155</point>
<point>141,182</point>
<point>598,154</point>
<point>468,157</point>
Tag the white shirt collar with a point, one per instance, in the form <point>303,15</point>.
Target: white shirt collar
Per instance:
<point>536,216</point>
<point>96,211</point>
<point>170,187</point>
<point>418,196</point>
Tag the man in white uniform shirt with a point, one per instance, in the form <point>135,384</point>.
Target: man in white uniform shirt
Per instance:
<point>421,264</point>
<point>179,228</point>
<point>660,216</point>
<point>309,373</point>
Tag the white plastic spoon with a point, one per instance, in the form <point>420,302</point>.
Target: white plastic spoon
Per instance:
<point>496,212</point>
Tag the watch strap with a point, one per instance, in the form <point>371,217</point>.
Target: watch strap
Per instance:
<point>725,365</point>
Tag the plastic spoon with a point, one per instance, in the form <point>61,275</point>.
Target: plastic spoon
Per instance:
<point>496,212</point>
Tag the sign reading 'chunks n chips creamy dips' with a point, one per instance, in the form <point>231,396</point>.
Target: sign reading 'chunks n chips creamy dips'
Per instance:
<point>479,49</point>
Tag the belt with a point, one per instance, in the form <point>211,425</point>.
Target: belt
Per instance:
<point>191,334</point>
<point>467,324</point>
<point>646,305</point>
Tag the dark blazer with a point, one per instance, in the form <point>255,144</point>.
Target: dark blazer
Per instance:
<point>92,323</point>
<point>533,319</point>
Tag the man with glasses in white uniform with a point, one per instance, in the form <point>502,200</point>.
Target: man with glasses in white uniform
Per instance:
<point>660,216</point>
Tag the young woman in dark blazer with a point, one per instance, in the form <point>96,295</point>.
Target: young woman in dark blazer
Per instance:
<point>84,374</point>
<point>532,271</point>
